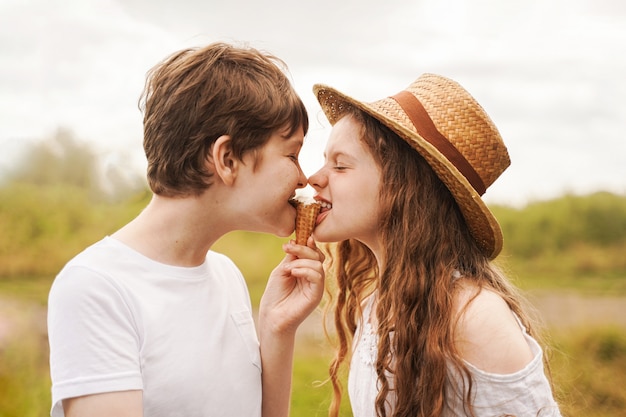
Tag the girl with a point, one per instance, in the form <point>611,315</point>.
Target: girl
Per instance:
<point>435,328</point>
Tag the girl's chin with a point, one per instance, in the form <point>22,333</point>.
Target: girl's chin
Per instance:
<point>322,237</point>
<point>327,238</point>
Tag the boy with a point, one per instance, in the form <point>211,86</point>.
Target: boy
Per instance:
<point>149,321</point>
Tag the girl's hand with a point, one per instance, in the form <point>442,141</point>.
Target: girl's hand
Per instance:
<point>294,289</point>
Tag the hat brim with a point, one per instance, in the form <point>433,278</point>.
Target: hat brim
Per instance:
<point>481,222</point>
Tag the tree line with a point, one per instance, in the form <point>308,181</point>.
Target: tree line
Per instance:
<point>59,199</point>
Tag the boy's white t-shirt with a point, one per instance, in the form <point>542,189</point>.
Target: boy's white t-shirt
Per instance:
<point>119,321</point>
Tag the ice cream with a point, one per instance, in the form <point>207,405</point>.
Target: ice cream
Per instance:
<point>306,214</point>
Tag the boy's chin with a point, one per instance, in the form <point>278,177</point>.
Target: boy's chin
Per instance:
<point>285,232</point>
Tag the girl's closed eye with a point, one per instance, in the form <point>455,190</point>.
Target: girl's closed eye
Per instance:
<point>339,165</point>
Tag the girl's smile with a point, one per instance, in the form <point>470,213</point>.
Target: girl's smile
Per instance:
<point>326,206</point>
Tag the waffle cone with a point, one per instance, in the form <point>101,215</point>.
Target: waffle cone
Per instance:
<point>306,214</point>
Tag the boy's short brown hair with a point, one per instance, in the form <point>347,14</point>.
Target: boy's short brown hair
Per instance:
<point>199,94</point>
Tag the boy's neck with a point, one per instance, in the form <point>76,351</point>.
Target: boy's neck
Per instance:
<point>175,231</point>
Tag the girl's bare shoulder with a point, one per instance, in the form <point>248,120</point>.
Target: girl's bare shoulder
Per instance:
<point>486,332</point>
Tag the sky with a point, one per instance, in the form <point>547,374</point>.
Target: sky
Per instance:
<point>550,73</point>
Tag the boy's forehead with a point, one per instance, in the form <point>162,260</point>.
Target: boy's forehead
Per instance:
<point>283,138</point>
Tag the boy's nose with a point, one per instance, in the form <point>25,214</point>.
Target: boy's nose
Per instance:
<point>302,180</point>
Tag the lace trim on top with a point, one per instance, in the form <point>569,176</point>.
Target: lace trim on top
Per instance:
<point>368,345</point>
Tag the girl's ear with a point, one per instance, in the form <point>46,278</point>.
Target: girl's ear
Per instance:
<point>225,163</point>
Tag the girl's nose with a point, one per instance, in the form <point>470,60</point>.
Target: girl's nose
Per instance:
<point>318,180</point>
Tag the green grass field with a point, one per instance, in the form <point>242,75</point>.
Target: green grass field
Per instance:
<point>588,367</point>
<point>573,243</point>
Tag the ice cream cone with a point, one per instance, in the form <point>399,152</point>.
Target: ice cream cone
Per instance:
<point>306,214</point>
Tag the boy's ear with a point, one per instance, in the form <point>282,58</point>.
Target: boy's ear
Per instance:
<point>225,163</point>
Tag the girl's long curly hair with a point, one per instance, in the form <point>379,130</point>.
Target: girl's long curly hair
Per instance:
<point>425,239</point>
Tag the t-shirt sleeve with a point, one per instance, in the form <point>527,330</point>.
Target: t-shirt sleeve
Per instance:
<point>94,342</point>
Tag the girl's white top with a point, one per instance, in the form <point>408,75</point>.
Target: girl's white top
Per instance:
<point>523,393</point>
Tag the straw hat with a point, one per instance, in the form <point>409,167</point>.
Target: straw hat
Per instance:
<point>446,125</point>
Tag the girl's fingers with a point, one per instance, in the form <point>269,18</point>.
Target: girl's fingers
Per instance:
<point>304,252</point>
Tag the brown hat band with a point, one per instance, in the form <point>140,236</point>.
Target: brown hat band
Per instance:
<point>427,130</point>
